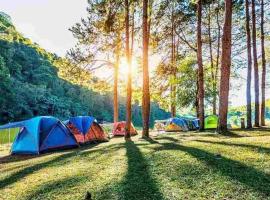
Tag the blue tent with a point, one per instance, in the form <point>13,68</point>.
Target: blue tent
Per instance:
<point>82,123</point>
<point>196,123</point>
<point>185,121</point>
<point>41,134</point>
<point>181,123</point>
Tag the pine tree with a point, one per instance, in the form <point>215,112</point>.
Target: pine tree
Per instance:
<point>255,65</point>
<point>225,67</point>
<point>249,67</point>
<point>200,65</point>
<point>263,66</point>
<point>146,92</point>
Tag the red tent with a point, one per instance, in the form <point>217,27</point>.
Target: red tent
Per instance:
<point>119,129</point>
<point>86,129</point>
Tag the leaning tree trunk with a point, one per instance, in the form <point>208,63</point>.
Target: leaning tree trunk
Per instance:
<point>225,67</point>
<point>255,63</point>
<point>146,93</point>
<point>129,87</point>
<point>263,66</point>
<point>249,67</point>
<point>200,65</point>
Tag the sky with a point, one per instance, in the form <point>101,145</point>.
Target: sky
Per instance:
<point>46,22</point>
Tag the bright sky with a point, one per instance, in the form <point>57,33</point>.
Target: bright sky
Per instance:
<point>46,22</point>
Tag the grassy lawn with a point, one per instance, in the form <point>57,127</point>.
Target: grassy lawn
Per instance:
<point>8,135</point>
<point>168,166</point>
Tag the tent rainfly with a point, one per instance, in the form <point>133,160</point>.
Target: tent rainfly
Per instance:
<point>86,129</point>
<point>211,122</point>
<point>176,124</point>
<point>119,129</point>
<point>41,134</point>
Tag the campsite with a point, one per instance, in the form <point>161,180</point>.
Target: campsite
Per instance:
<point>174,166</point>
<point>134,100</point>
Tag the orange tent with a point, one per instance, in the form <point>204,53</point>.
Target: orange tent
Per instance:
<point>119,129</point>
<point>86,129</point>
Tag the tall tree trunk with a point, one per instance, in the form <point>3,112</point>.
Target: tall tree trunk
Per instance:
<point>214,102</point>
<point>225,67</point>
<point>146,93</point>
<point>263,66</point>
<point>218,55</point>
<point>173,95</point>
<point>129,86</point>
<point>115,86</point>
<point>173,88</point>
<point>249,67</point>
<point>197,97</point>
<point>255,63</point>
<point>132,33</point>
<point>200,64</point>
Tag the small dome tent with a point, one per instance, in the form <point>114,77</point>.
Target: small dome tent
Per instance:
<point>41,134</point>
<point>195,124</point>
<point>176,124</point>
<point>211,122</point>
<point>119,129</point>
<point>191,121</point>
<point>86,129</point>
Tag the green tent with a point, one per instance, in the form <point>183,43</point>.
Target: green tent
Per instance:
<point>211,121</point>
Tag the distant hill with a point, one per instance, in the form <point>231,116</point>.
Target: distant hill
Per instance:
<point>37,82</point>
<point>6,16</point>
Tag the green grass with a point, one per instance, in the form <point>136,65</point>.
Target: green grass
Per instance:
<point>8,135</point>
<point>169,166</point>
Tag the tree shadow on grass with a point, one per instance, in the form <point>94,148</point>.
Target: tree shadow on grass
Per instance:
<point>31,169</point>
<point>253,147</point>
<point>58,186</point>
<point>249,176</point>
<point>17,157</point>
<point>267,129</point>
<point>59,160</point>
<point>138,183</point>
<point>212,133</point>
<point>167,138</point>
<point>150,140</point>
<point>231,134</point>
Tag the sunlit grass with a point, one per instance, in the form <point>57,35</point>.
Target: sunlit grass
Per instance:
<point>170,166</point>
<point>8,135</point>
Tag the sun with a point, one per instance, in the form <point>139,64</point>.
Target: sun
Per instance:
<point>123,67</point>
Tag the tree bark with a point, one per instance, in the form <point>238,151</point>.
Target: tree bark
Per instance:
<point>214,102</point>
<point>132,33</point>
<point>225,67</point>
<point>249,67</point>
<point>129,86</point>
<point>255,63</point>
<point>263,66</point>
<point>218,55</point>
<point>115,86</point>
<point>200,65</point>
<point>197,97</point>
<point>146,93</point>
<point>173,87</point>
